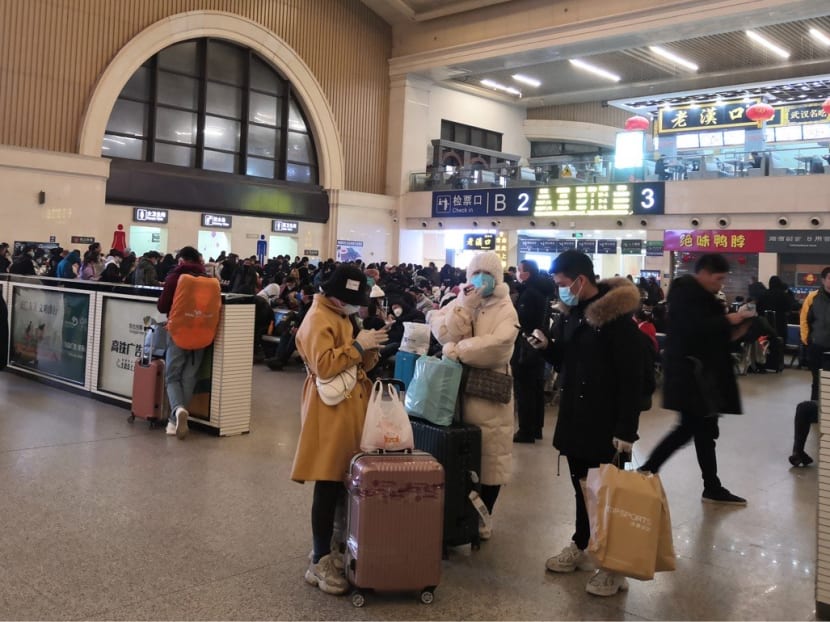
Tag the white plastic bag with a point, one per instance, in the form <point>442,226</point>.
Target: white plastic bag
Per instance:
<point>387,425</point>
<point>415,338</point>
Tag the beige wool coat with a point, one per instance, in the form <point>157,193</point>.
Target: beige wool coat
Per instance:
<point>330,435</point>
<point>484,339</point>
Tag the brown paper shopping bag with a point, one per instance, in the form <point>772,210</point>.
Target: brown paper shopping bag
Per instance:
<point>625,509</point>
<point>665,546</point>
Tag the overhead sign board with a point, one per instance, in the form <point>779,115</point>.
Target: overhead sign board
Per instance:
<point>285,226</point>
<point>479,241</point>
<point>157,216</point>
<point>715,241</point>
<point>216,221</point>
<point>796,241</point>
<point>571,200</point>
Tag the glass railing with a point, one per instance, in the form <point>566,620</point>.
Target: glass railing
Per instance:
<point>726,164</point>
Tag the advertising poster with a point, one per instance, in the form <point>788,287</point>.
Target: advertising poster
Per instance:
<point>49,332</point>
<point>122,339</point>
<point>349,250</point>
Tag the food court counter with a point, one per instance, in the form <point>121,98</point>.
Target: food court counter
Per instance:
<point>89,337</point>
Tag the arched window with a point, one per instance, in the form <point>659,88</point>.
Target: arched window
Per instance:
<point>213,105</point>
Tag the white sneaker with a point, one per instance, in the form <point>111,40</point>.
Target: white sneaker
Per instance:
<point>338,559</point>
<point>571,558</point>
<point>605,583</point>
<point>485,532</point>
<point>324,575</point>
<point>181,423</point>
<point>171,428</point>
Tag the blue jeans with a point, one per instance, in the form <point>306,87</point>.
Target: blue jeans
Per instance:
<point>181,367</point>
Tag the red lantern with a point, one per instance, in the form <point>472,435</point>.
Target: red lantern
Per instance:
<point>760,112</point>
<point>637,123</point>
<point>742,259</point>
<point>826,106</point>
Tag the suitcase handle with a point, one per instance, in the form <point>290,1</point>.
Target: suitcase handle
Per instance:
<point>400,384</point>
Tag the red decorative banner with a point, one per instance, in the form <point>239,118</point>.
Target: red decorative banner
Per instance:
<point>715,241</point>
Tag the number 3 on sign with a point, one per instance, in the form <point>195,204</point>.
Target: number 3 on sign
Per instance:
<point>647,195</point>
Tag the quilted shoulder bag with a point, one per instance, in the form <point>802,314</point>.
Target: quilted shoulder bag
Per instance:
<point>487,384</point>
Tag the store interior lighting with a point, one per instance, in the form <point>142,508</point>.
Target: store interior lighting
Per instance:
<point>498,86</point>
<point>518,77</point>
<point>820,36</point>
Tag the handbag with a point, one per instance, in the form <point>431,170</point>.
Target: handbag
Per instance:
<point>433,391</point>
<point>334,390</point>
<point>488,384</point>
<point>387,425</point>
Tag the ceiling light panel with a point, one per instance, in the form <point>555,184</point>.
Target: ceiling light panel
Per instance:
<point>819,36</point>
<point>597,71</point>
<point>518,77</point>
<point>501,87</point>
<point>772,47</point>
<point>669,55</point>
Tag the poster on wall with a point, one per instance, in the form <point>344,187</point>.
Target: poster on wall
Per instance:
<point>349,250</point>
<point>49,332</point>
<point>122,339</point>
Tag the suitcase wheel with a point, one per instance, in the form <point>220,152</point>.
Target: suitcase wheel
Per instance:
<point>427,596</point>
<point>131,418</point>
<point>358,599</point>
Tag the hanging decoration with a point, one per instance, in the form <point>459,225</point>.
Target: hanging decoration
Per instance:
<point>760,112</point>
<point>637,123</point>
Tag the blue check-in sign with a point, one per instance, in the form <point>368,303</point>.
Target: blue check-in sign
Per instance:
<point>490,202</point>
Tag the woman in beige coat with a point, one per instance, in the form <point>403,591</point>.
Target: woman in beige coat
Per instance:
<point>479,329</point>
<point>329,342</point>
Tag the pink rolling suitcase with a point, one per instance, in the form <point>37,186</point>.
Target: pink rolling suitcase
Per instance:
<point>148,386</point>
<point>395,523</point>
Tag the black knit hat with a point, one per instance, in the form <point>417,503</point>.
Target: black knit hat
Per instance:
<point>348,283</point>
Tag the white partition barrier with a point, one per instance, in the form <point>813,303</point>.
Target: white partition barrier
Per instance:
<point>823,506</point>
<point>90,338</point>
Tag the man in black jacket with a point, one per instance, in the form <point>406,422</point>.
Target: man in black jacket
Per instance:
<point>598,352</point>
<point>699,376</point>
<point>528,366</point>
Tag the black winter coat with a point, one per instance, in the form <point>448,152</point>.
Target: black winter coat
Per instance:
<point>599,353</point>
<point>534,294</point>
<point>697,327</point>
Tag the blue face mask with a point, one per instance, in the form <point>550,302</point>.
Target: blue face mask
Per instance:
<point>484,282</point>
<point>370,281</point>
<point>568,297</point>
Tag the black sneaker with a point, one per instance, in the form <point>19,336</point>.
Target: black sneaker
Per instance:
<point>800,460</point>
<point>538,435</point>
<point>275,364</point>
<point>521,437</point>
<point>722,495</point>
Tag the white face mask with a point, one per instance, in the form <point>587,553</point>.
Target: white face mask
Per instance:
<point>350,309</point>
<point>397,311</point>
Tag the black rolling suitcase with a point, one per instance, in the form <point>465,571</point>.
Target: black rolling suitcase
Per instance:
<point>458,449</point>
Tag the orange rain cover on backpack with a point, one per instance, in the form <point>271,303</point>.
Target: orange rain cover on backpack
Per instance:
<point>194,314</point>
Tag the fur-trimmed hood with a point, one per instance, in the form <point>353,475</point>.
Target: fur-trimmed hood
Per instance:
<point>619,297</point>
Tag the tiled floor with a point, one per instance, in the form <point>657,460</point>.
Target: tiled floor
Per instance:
<point>106,520</point>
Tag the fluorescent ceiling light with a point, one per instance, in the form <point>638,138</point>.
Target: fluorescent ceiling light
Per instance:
<point>761,40</point>
<point>500,87</point>
<point>661,51</point>
<point>518,77</point>
<point>819,36</point>
<point>595,70</point>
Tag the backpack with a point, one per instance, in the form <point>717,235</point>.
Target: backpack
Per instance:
<point>194,315</point>
<point>649,370</point>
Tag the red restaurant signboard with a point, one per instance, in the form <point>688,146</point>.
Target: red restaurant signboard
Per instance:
<point>715,241</point>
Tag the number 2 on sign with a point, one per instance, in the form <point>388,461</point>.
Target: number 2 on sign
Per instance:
<point>648,198</point>
<point>524,197</point>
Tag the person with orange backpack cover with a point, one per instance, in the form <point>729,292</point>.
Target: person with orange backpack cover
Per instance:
<point>192,301</point>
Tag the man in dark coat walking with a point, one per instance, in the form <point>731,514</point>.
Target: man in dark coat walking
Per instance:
<point>699,379</point>
<point>597,349</point>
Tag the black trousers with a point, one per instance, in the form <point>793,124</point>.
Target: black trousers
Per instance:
<point>579,471</point>
<point>529,390</point>
<point>806,413</point>
<point>327,497</point>
<point>704,431</point>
